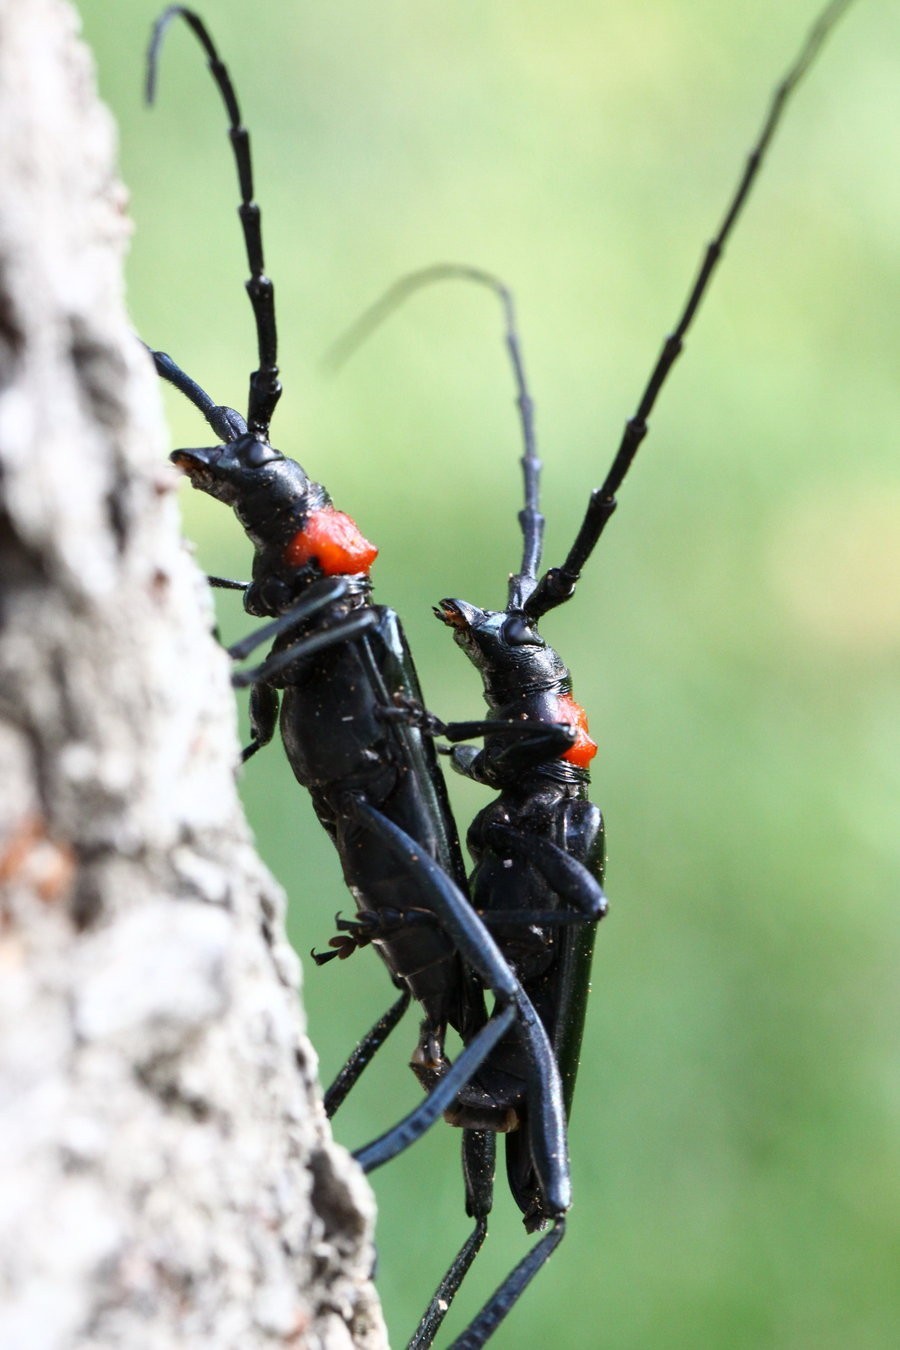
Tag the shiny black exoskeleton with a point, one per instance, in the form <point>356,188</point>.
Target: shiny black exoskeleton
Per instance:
<point>339,664</point>
<point>337,658</point>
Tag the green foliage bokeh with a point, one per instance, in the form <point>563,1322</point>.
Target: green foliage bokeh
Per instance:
<point>736,639</point>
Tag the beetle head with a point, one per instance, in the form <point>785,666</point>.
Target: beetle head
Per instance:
<point>244,469</point>
<point>504,645</point>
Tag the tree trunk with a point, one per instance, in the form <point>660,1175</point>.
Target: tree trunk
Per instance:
<point>167,1177</point>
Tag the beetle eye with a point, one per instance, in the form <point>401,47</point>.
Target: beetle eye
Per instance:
<point>518,633</point>
<point>256,453</point>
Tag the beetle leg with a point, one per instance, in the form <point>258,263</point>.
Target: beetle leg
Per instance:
<point>422,1117</point>
<point>503,1298</point>
<point>361,1057</point>
<point>546,1115</point>
<point>479,1150</point>
<point>570,879</point>
<point>351,626</point>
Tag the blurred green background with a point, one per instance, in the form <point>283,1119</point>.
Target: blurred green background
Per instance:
<point>736,638</point>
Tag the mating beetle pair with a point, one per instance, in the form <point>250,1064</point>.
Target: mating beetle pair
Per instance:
<point>343,670</point>
<point>357,737</point>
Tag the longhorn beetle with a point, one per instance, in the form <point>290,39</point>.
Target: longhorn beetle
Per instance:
<point>538,848</point>
<point>338,661</point>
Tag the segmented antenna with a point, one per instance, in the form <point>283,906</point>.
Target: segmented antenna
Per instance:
<point>265,387</point>
<point>557,585</point>
<point>531,521</point>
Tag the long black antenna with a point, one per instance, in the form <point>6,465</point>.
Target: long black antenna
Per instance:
<point>531,521</point>
<point>558,584</point>
<point>265,387</point>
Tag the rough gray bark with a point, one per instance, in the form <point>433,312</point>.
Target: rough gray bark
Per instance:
<point>166,1173</point>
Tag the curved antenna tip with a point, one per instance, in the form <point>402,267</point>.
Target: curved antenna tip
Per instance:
<point>156,39</point>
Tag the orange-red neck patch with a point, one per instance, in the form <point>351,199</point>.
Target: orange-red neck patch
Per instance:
<point>584,749</point>
<point>334,541</point>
